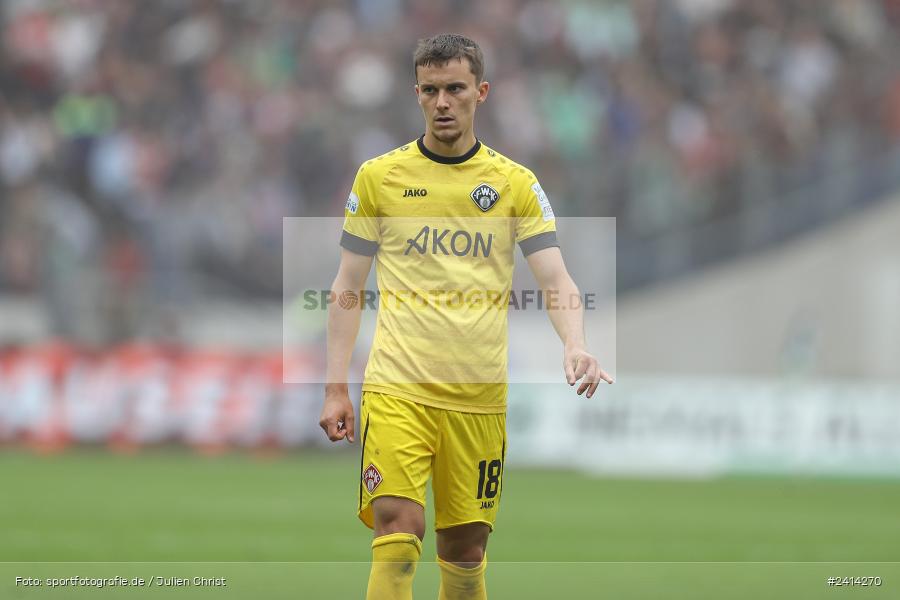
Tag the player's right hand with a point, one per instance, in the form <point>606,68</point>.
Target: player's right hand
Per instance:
<point>337,419</point>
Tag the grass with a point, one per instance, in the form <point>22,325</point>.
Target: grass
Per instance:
<point>292,521</point>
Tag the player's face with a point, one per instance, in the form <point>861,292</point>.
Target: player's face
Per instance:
<point>448,95</point>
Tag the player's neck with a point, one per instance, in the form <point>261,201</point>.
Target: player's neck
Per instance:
<point>457,148</point>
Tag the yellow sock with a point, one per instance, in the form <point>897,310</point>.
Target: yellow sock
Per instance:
<point>394,559</point>
<point>458,583</point>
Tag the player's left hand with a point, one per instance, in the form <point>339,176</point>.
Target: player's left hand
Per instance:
<point>579,363</point>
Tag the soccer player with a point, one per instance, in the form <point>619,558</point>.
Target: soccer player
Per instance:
<point>441,217</point>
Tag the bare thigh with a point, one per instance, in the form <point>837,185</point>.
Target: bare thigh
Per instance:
<point>398,515</point>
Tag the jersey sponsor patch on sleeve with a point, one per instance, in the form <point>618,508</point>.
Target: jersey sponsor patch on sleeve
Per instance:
<point>543,200</point>
<point>352,203</point>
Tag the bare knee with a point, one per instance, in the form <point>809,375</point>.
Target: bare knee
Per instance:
<point>464,545</point>
<point>398,515</point>
<point>467,557</point>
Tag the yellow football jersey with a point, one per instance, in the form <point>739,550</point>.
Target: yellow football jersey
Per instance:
<point>443,231</point>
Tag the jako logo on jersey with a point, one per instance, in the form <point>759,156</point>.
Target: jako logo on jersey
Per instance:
<point>485,197</point>
<point>371,478</point>
<point>411,193</point>
<point>460,242</point>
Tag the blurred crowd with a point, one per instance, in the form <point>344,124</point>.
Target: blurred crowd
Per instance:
<point>149,150</point>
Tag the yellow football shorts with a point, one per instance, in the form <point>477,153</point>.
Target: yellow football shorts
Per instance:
<point>404,443</point>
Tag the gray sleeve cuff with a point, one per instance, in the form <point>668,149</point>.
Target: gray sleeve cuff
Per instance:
<point>358,245</point>
<point>538,242</point>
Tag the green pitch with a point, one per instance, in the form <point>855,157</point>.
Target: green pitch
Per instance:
<point>285,527</point>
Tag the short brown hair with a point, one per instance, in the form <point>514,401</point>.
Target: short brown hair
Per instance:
<point>441,49</point>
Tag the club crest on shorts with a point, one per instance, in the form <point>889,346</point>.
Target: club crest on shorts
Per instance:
<point>371,478</point>
<point>485,197</point>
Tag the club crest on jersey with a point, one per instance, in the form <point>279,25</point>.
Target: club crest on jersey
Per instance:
<point>485,197</point>
<point>371,478</point>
